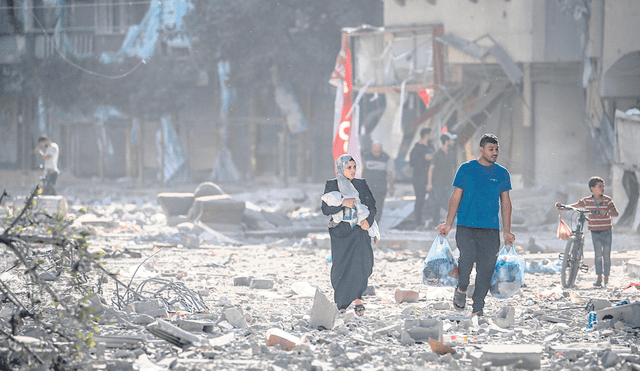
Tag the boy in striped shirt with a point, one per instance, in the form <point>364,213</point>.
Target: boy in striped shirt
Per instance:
<point>602,209</point>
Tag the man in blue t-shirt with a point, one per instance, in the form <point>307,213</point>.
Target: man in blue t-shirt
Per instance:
<point>481,189</point>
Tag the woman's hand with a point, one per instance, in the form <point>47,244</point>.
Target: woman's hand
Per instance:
<point>364,225</point>
<point>349,202</point>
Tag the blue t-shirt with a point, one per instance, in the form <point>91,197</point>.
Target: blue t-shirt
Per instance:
<point>481,187</point>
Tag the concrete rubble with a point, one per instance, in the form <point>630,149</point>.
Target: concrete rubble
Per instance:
<point>241,301</point>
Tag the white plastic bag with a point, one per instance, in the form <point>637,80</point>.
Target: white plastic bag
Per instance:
<point>508,274</point>
<point>440,266</point>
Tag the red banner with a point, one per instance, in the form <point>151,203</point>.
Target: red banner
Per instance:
<point>426,95</point>
<point>343,71</point>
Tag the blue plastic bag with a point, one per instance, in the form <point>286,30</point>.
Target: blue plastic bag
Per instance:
<point>508,274</point>
<point>440,266</point>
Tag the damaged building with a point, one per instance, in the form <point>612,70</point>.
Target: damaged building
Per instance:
<point>547,77</point>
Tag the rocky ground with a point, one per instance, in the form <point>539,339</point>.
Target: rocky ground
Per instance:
<point>226,299</point>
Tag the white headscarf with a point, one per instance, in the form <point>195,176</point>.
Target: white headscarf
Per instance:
<point>345,186</point>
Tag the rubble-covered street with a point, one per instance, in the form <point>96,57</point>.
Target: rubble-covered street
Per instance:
<point>187,294</point>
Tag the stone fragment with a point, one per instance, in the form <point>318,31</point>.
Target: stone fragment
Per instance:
<point>406,338</point>
<point>370,291</point>
<point>506,317</point>
<point>223,340</point>
<point>609,359</point>
<point>441,305</point>
<point>323,312</point>
<point>527,356</point>
<point>304,289</point>
<point>261,283</point>
<point>235,318</point>
<point>422,329</point>
<point>406,296</point>
<point>287,341</point>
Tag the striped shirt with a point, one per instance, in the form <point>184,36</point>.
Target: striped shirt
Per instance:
<point>599,222</point>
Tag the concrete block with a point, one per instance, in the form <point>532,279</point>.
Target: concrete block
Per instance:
<point>287,341</point>
<point>174,204</point>
<point>261,283</point>
<point>406,296</point>
<point>242,281</point>
<point>627,313</point>
<point>422,329</point>
<point>217,210</point>
<point>526,356</point>
<point>323,312</point>
<point>598,304</point>
<point>506,317</point>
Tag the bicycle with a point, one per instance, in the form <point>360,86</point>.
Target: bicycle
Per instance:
<point>574,251</point>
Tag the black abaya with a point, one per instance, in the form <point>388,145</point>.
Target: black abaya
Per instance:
<point>352,255</point>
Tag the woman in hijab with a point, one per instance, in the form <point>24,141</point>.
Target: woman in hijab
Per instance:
<point>352,208</point>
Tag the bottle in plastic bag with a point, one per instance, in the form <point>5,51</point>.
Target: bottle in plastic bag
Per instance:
<point>508,274</point>
<point>440,266</point>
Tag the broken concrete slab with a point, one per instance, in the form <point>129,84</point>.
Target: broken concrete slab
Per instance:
<point>526,356</point>
<point>234,317</point>
<point>323,312</point>
<point>219,209</point>
<point>261,284</point>
<point>174,204</point>
<point>506,317</point>
<point>627,313</point>
<point>173,334</point>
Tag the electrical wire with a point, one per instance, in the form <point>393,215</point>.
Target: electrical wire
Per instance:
<point>85,70</point>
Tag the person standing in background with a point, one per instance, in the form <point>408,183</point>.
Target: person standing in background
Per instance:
<point>378,171</point>
<point>441,172</point>
<point>50,156</point>
<point>420,160</point>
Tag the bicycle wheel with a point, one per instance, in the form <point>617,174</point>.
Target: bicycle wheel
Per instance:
<point>570,263</point>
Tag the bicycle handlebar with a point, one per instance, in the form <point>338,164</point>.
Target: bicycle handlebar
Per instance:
<point>577,209</point>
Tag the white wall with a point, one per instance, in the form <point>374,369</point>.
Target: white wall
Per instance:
<point>621,30</point>
<point>516,25</point>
